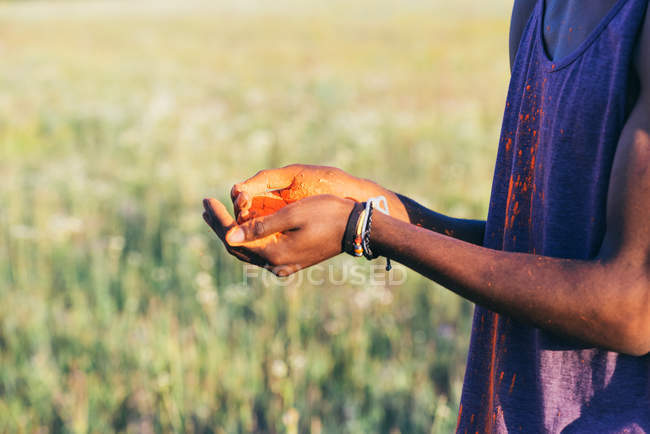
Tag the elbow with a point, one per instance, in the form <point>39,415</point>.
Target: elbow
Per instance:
<point>634,343</point>
<point>637,345</point>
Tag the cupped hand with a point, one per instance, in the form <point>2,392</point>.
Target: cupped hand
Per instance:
<point>292,183</point>
<point>297,236</point>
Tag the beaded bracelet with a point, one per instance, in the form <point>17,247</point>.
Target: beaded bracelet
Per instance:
<point>356,240</point>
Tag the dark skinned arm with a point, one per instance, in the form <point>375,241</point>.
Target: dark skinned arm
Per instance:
<point>470,231</point>
<point>315,180</point>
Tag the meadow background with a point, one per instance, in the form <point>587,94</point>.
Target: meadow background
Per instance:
<point>119,310</point>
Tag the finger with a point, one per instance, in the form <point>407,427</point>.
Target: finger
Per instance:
<point>243,216</point>
<point>220,219</point>
<point>264,180</point>
<point>240,253</point>
<point>216,227</point>
<point>281,221</point>
<point>242,204</point>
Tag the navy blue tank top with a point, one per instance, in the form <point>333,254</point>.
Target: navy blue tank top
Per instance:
<point>561,126</point>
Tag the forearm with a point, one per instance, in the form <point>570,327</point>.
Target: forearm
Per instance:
<point>570,297</point>
<point>470,231</point>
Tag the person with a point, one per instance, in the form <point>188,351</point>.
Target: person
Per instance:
<point>560,270</point>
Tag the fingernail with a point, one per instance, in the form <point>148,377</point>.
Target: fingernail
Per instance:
<point>236,236</point>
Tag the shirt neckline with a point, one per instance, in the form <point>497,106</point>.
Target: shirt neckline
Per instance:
<point>556,65</point>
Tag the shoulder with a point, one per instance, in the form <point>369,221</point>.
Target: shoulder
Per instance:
<point>521,11</point>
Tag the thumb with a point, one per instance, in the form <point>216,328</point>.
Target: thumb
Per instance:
<point>259,228</point>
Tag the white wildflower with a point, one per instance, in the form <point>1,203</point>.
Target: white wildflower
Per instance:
<point>279,368</point>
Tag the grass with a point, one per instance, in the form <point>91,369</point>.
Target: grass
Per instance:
<point>119,311</point>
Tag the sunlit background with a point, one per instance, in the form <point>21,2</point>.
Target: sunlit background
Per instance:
<point>120,311</point>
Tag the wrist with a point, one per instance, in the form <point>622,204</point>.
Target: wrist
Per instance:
<point>362,189</point>
<point>357,237</point>
<point>376,240</point>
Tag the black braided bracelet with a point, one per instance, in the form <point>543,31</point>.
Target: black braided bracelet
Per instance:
<point>366,237</point>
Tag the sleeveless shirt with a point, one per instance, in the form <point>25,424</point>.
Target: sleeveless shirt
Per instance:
<point>562,122</point>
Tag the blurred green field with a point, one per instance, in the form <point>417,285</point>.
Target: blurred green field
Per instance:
<point>119,311</point>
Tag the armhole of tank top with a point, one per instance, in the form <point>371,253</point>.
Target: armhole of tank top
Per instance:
<point>514,50</point>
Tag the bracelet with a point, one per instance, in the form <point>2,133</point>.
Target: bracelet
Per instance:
<point>366,234</point>
<point>351,228</point>
<point>356,240</point>
<point>382,205</point>
<point>358,234</point>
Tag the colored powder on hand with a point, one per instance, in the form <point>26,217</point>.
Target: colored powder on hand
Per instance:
<point>265,205</point>
<point>271,202</point>
<point>299,190</point>
<point>268,203</point>
<point>262,206</point>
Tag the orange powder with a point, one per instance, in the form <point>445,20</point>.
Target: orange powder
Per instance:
<point>272,201</point>
<point>262,206</point>
<point>265,205</point>
<point>268,203</point>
